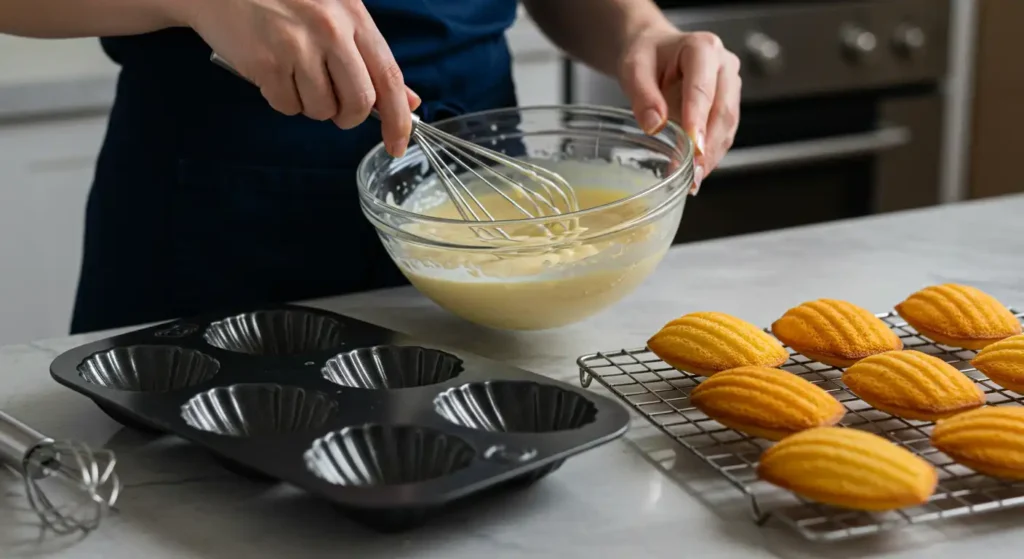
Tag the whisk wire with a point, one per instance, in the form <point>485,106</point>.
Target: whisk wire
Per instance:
<point>472,162</point>
<point>469,192</point>
<point>91,473</point>
<point>531,196</point>
<point>457,191</point>
<point>553,183</point>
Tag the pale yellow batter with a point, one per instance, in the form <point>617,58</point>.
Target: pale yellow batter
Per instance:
<point>535,288</point>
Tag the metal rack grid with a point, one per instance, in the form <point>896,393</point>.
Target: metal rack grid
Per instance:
<point>660,393</point>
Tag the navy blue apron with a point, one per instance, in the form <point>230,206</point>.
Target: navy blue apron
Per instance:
<point>205,198</point>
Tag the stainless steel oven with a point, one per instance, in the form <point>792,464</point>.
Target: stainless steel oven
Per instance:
<point>842,110</point>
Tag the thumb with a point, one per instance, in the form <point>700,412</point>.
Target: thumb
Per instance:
<point>639,79</point>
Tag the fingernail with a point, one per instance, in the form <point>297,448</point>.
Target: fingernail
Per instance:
<point>698,177</point>
<point>651,121</point>
<point>397,149</point>
<point>698,139</point>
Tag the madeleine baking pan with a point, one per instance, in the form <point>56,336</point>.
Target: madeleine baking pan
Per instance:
<point>388,427</point>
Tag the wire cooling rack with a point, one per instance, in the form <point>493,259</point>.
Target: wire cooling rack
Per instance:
<point>662,395</point>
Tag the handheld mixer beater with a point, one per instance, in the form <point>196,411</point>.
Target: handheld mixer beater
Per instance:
<point>539,192</point>
<point>89,474</point>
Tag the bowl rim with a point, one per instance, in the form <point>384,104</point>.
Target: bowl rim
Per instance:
<point>687,165</point>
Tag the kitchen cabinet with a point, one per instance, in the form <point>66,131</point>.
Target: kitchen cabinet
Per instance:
<point>539,82</point>
<point>998,114</point>
<point>46,168</point>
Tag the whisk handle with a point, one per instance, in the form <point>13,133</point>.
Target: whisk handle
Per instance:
<point>219,61</point>
<point>17,441</point>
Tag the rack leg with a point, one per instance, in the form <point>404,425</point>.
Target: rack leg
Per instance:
<point>585,378</point>
<point>760,517</point>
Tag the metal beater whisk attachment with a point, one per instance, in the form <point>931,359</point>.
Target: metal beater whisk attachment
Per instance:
<point>551,195</point>
<point>88,475</point>
<point>536,192</point>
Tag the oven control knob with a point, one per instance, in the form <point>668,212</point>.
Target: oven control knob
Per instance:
<point>859,43</point>
<point>909,39</point>
<point>764,52</point>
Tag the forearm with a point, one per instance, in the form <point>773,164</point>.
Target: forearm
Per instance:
<point>88,18</point>
<point>594,31</point>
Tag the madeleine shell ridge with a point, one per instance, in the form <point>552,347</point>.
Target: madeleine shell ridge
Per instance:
<point>958,316</point>
<point>848,468</point>
<point>705,343</point>
<point>989,440</point>
<point>913,385</point>
<point>765,402</point>
<point>835,332</point>
<point>1003,363</point>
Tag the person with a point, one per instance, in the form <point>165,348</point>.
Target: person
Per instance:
<point>210,193</point>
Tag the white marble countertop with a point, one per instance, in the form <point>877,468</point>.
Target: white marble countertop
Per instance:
<point>615,501</point>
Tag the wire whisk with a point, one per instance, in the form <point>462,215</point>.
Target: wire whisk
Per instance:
<point>531,190</point>
<point>558,195</point>
<point>88,474</point>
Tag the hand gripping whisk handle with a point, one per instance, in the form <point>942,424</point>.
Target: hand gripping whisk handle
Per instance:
<point>219,61</point>
<point>89,476</point>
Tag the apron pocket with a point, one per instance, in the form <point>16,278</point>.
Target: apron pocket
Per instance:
<point>249,235</point>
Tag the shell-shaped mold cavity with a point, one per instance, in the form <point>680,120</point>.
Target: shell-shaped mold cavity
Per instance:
<point>275,332</point>
<point>380,455</point>
<point>148,368</point>
<point>258,410</point>
<point>392,367</point>
<point>515,407</point>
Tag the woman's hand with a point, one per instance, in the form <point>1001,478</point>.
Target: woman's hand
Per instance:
<point>322,58</point>
<point>689,78</point>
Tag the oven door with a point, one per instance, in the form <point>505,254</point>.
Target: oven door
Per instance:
<point>814,160</point>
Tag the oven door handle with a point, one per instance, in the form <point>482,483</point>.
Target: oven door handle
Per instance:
<point>807,151</point>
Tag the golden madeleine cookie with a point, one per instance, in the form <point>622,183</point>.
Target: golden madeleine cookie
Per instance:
<point>848,468</point>
<point>989,440</point>
<point>958,316</point>
<point>913,385</point>
<point>834,332</point>
<point>1003,363</point>
<point>704,343</point>
<point>765,402</point>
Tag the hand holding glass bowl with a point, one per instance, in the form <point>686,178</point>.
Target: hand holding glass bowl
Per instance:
<point>632,189</point>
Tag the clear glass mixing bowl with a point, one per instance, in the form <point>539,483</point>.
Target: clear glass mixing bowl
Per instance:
<point>637,185</point>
